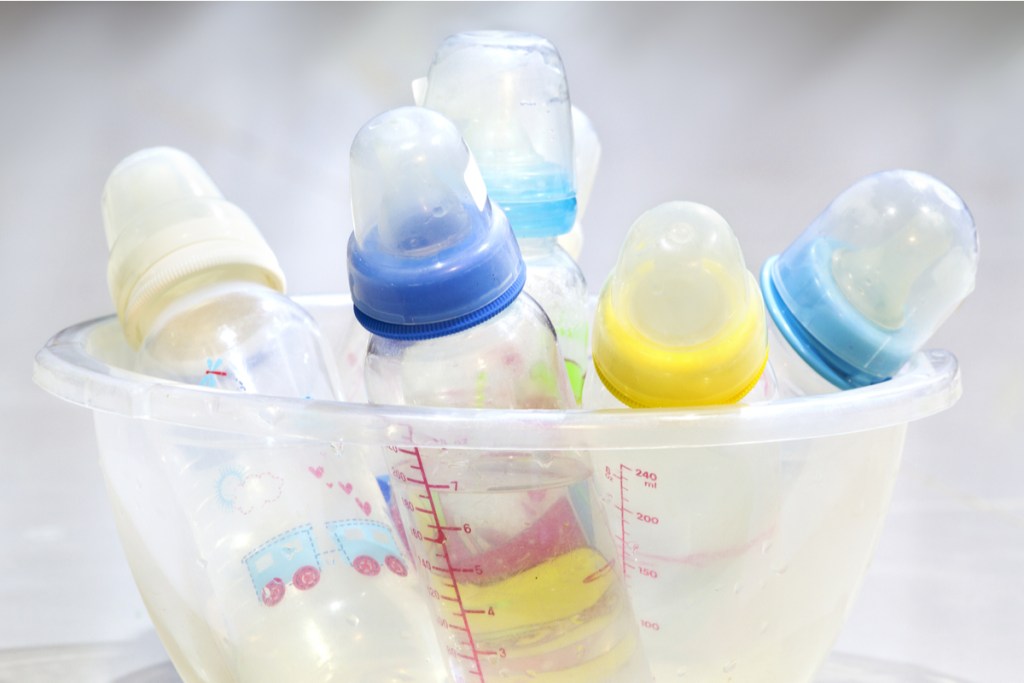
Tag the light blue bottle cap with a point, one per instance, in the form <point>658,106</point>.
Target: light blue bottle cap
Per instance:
<point>874,276</point>
<point>430,255</point>
<point>508,95</point>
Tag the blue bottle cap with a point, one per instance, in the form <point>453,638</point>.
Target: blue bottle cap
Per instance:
<point>873,277</point>
<point>430,255</point>
<point>507,94</point>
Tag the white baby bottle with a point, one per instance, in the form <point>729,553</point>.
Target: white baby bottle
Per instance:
<point>304,577</point>
<point>507,93</point>
<point>511,545</point>
<point>868,282</point>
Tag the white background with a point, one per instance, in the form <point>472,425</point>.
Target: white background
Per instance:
<point>763,112</point>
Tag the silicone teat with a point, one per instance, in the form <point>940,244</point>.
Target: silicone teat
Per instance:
<point>507,94</point>
<point>166,222</point>
<point>430,255</point>
<point>874,276</point>
<point>680,320</point>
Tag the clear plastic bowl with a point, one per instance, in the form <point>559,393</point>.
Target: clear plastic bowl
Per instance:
<point>773,544</point>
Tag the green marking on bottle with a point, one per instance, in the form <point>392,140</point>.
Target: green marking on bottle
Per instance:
<point>576,377</point>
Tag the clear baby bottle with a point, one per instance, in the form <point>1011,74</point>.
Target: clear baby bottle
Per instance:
<point>508,95</point>
<point>679,323</point>
<point>512,546</point>
<point>868,282</point>
<point>199,294</point>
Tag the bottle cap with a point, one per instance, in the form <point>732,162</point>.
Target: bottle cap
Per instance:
<point>507,94</point>
<point>873,277</point>
<point>167,222</point>
<point>680,320</point>
<point>430,254</point>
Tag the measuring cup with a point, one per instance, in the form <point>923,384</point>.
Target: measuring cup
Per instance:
<point>513,549</point>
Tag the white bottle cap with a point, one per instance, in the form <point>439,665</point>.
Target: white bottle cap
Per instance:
<point>166,222</point>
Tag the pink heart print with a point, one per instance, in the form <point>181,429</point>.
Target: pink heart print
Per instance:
<point>365,507</point>
<point>330,484</point>
<point>317,471</point>
<point>347,488</point>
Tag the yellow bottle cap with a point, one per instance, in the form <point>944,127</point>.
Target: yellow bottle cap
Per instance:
<point>680,321</point>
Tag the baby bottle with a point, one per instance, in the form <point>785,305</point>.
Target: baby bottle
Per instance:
<point>511,545</point>
<point>276,524</point>
<point>868,282</point>
<point>507,94</point>
<point>679,322</point>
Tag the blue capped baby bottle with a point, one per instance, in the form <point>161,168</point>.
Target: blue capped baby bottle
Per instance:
<point>436,277</point>
<point>868,282</point>
<point>507,93</point>
<point>679,321</point>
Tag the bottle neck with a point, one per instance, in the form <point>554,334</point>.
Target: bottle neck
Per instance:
<point>537,245</point>
<point>141,322</point>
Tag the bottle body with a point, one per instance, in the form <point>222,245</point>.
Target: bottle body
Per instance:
<point>240,336</point>
<point>555,281</point>
<point>277,523</point>
<point>524,563</point>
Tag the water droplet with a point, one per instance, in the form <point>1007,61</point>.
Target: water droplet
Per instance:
<point>681,672</point>
<point>765,547</point>
<point>729,667</point>
<point>737,587</point>
<point>352,619</point>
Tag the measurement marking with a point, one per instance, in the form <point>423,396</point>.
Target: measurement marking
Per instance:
<point>474,654</point>
<point>622,516</point>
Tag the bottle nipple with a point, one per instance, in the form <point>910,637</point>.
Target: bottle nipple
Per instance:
<point>873,277</point>
<point>430,255</point>
<point>680,321</point>
<point>507,94</point>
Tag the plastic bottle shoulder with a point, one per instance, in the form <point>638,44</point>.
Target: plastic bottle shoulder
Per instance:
<point>510,361</point>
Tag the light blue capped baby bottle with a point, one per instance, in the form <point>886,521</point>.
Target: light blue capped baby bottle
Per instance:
<point>868,282</point>
<point>507,93</point>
